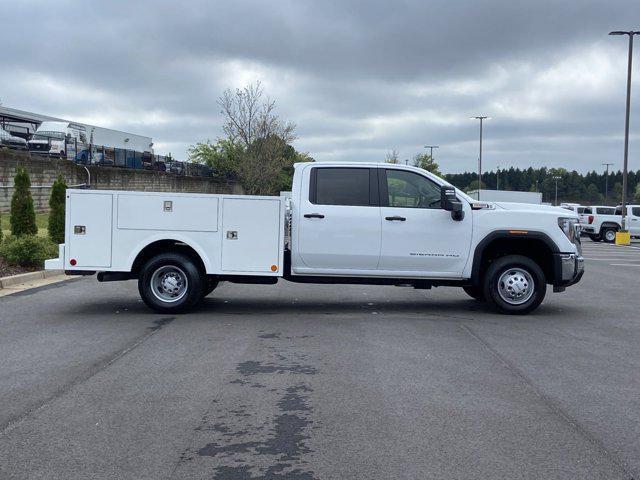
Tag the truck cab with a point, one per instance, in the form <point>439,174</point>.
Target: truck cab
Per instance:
<point>60,139</point>
<point>342,223</point>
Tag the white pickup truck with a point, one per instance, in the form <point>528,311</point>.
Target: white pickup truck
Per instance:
<point>602,222</point>
<point>343,223</point>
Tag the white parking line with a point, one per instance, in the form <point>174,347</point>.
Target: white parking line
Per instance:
<point>625,264</point>
<point>610,259</point>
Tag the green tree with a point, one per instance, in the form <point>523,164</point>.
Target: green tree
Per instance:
<point>636,194</point>
<point>616,193</point>
<point>473,185</point>
<point>224,156</point>
<point>426,162</point>
<point>23,216</point>
<point>56,210</point>
<point>592,195</point>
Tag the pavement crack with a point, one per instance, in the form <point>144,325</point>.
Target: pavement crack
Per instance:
<point>96,368</point>
<point>554,406</point>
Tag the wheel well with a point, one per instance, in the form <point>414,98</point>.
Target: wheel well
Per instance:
<point>534,248</point>
<point>609,225</point>
<point>163,246</point>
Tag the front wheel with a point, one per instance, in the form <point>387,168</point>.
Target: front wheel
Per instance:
<point>514,284</point>
<point>170,283</point>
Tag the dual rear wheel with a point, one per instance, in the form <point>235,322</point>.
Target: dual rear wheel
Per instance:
<point>172,283</point>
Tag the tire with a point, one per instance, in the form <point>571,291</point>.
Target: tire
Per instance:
<point>595,238</point>
<point>525,276</point>
<point>210,285</point>
<point>177,283</point>
<point>474,292</point>
<point>608,234</point>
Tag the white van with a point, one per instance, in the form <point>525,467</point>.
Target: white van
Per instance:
<point>60,139</point>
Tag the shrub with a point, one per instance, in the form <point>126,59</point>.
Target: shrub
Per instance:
<point>27,250</point>
<point>23,217</point>
<point>56,214</point>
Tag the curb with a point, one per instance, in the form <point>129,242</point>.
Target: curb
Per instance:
<point>28,277</point>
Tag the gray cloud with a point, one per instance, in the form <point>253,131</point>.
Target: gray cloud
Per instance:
<point>359,77</point>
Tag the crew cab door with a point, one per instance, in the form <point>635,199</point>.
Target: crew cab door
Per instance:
<point>419,238</point>
<point>338,221</point>
<point>633,222</point>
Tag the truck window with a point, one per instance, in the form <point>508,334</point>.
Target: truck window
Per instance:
<point>340,186</point>
<point>410,190</point>
<point>635,211</point>
<point>584,210</point>
<point>605,211</point>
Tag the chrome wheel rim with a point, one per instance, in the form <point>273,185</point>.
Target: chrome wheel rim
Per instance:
<point>515,286</point>
<point>169,283</point>
<point>610,235</point>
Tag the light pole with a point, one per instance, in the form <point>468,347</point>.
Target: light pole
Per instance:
<point>606,182</point>
<point>482,118</point>
<point>556,178</point>
<point>431,147</point>
<point>498,177</point>
<point>630,33</point>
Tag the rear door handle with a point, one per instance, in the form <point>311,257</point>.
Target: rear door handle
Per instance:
<point>313,215</point>
<point>391,219</point>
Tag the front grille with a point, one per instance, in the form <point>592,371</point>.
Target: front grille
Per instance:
<point>40,147</point>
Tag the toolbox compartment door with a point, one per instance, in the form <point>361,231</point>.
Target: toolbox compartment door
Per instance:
<point>251,235</point>
<point>90,219</point>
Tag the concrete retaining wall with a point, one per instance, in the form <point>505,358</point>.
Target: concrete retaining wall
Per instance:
<point>43,172</point>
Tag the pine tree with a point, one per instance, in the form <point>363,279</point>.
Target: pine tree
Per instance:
<point>23,216</point>
<point>56,210</point>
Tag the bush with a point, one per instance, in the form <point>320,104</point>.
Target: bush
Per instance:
<point>27,250</point>
<point>56,214</point>
<point>23,216</point>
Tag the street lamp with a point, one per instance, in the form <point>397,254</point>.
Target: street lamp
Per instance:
<point>498,177</point>
<point>606,182</point>
<point>482,118</point>
<point>630,33</point>
<point>556,178</point>
<point>431,147</point>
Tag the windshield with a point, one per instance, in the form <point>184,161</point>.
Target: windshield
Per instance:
<point>44,135</point>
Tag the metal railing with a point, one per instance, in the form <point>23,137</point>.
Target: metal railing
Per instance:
<point>86,154</point>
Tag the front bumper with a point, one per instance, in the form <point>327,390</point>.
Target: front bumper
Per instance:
<point>568,269</point>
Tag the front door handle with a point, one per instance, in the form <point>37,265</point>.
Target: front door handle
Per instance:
<point>313,215</point>
<point>391,219</point>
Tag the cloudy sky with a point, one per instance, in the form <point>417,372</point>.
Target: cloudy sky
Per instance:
<point>359,78</point>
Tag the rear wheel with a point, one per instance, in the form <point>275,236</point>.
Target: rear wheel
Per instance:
<point>474,292</point>
<point>514,284</point>
<point>170,283</point>
<point>609,234</point>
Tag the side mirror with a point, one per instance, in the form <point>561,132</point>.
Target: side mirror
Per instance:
<point>450,202</point>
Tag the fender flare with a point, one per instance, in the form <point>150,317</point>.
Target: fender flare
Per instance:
<point>175,237</point>
<point>511,234</point>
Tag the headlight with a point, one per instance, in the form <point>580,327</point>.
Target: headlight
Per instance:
<point>569,226</point>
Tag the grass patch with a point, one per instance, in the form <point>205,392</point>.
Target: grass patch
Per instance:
<point>42,221</point>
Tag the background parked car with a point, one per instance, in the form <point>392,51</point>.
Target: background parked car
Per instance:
<point>9,141</point>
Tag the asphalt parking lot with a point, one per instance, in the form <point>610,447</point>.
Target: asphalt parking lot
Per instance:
<point>303,382</point>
